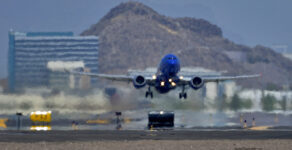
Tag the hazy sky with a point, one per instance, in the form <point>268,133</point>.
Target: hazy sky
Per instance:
<point>250,22</point>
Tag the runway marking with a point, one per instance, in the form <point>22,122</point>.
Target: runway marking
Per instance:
<point>2,122</point>
<point>97,121</point>
<point>259,128</point>
<point>127,120</point>
<point>152,134</point>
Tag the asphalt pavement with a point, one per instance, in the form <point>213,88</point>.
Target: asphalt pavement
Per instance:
<point>133,135</point>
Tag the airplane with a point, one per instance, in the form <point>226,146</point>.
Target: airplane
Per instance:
<point>166,78</point>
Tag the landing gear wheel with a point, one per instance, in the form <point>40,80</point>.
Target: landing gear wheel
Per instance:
<point>149,93</point>
<point>185,95</point>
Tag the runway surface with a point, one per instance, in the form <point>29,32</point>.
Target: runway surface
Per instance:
<point>138,120</point>
<point>134,135</point>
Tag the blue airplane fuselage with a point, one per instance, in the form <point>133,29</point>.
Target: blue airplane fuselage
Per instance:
<point>167,74</point>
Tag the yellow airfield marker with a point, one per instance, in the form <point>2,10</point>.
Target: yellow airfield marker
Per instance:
<point>2,122</point>
<point>245,124</point>
<point>151,128</point>
<point>253,122</point>
<point>98,121</point>
<point>259,128</point>
<point>74,126</point>
<point>127,120</point>
<point>241,118</point>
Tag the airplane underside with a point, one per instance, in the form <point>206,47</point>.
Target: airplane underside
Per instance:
<point>164,84</point>
<point>165,89</point>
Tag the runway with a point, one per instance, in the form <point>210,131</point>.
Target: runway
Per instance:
<point>192,130</point>
<point>135,135</point>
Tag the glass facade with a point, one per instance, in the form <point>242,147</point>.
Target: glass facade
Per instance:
<point>30,52</point>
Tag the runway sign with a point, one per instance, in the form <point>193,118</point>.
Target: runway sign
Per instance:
<point>41,116</point>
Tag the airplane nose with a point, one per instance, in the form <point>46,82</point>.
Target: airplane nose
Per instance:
<point>172,62</point>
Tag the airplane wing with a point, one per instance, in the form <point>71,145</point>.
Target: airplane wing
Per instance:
<point>186,80</point>
<point>126,78</point>
<point>224,78</point>
<point>106,76</point>
<point>149,79</point>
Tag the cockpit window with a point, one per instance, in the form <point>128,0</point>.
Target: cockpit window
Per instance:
<point>171,58</point>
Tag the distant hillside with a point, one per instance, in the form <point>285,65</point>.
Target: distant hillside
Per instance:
<point>133,35</point>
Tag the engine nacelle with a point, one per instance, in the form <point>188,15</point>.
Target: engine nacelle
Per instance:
<point>196,83</point>
<point>139,81</point>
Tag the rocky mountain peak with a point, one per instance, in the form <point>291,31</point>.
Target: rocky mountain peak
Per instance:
<point>130,7</point>
<point>134,36</point>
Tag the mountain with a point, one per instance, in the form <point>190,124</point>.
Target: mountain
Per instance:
<point>135,36</point>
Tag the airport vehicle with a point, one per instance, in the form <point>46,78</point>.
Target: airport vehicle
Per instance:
<point>160,119</point>
<point>166,78</point>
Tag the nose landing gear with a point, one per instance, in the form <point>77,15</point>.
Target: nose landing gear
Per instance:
<point>183,94</point>
<point>149,93</point>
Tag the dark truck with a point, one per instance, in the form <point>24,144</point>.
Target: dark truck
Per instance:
<point>160,119</point>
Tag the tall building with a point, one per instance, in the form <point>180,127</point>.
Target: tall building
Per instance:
<point>60,80</point>
<point>29,54</point>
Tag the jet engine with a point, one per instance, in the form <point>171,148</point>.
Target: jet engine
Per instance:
<point>139,81</point>
<point>196,83</point>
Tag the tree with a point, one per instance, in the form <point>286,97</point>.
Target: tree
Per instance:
<point>238,103</point>
<point>268,102</point>
<point>272,87</point>
<point>235,102</point>
<point>283,103</point>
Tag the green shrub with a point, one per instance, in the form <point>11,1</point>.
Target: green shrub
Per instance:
<point>268,102</point>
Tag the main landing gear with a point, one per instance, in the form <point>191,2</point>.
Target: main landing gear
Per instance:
<point>149,93</point>
<point>183,94</point>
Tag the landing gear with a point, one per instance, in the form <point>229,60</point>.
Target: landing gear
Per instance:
<point>183,94</point>
<point>149,93</point>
